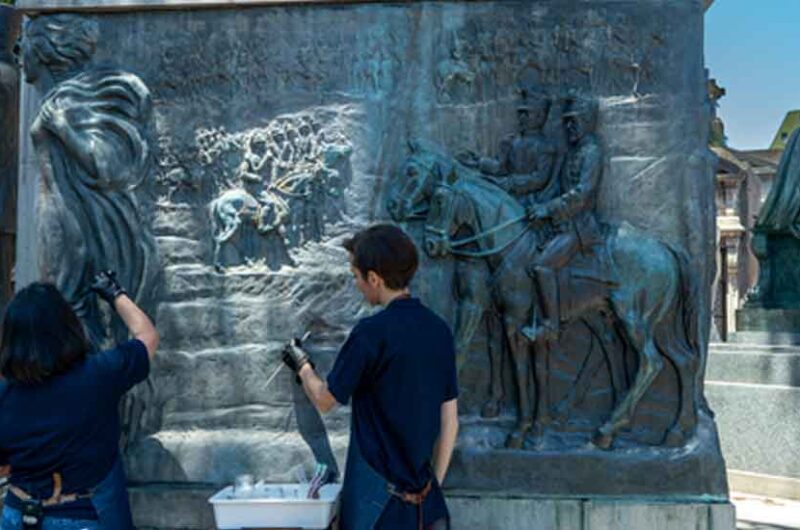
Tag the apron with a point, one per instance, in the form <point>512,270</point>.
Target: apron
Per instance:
<point>365,493</point>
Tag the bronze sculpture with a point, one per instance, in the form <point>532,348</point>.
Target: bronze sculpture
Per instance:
<point>639,280</point>
<point>92,140</point>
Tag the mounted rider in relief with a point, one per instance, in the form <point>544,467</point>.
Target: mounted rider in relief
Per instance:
<point>571,215</point>
<point>527,158</point>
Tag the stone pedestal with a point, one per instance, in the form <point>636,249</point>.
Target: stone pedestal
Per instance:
<point>774,306</point>
<point>502,513</point>
<point>755,391</point>
<point>160,508</point>
<point>759,325</point>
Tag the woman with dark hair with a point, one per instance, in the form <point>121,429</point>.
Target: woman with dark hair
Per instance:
<point>59,401</point>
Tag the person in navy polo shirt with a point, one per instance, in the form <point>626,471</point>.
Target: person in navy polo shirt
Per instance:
<point>59,403</point>
<point>397,370</point>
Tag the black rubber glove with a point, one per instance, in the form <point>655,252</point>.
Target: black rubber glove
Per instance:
<point>107,287</point>
<point>295,357</point>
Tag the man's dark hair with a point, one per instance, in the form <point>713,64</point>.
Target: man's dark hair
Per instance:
<point>386,250</point>
<point>42,336</point>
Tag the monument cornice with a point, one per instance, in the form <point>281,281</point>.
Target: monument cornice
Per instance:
<point>33,6</point>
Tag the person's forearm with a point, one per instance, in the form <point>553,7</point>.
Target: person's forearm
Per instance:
<point>444,452</point>
<point>316,389</point>
<point>138,323</point>
<point>448,433</point>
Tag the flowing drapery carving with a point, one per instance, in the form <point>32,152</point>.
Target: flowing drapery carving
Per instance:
<point>91,137</point>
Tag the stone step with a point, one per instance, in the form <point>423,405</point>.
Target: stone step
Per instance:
<point>787,338</point>
<point>756,366</point>
<point>736,347</point>
<point>759,426</point>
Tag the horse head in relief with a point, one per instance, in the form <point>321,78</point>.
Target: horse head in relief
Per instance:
<point>415,185</point>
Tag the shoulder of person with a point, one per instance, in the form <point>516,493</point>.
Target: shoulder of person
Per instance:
<point>116,357</point>
<point>370,325</point>
<point>436,319</point>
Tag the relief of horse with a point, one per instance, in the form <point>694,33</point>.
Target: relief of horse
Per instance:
<point>653,300</point>
<point>409,201</point>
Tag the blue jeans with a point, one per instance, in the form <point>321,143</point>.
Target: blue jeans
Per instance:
<point>12,520</point>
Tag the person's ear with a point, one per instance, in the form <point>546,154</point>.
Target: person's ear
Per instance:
<point>373,279</point>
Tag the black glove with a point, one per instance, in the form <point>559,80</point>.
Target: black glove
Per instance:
<point>295,357</point>
<point>107,287</point>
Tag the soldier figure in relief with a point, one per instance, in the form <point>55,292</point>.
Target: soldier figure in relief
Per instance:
<point>571,215</point>
<point>527,158</point>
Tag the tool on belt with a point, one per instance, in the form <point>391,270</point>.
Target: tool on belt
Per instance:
<point>417,499</point>
<point>33,509</point>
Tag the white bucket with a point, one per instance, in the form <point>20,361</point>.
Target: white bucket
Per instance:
<point>276,506</point>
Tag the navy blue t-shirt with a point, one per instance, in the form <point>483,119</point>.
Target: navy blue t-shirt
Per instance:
<point>398,366</point>
<point>69,424</point>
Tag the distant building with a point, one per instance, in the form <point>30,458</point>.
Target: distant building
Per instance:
<point>744,179</point>
<point>790,124</point>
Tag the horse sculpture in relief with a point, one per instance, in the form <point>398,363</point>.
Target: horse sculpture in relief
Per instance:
<point>652,299</point>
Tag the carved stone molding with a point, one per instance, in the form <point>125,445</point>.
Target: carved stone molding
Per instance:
<point>111,5</point>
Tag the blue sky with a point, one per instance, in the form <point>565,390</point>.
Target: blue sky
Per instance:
<point>753,50</point>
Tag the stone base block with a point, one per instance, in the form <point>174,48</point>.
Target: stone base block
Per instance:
<point>777,326</point>
<point>765,338</point>
<point>499,513</point>
<point>759,426</point>
<point>692,473</point>
<point>764,485</point>
<point>165,507</point>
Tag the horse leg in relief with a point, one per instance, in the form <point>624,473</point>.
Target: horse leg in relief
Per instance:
<point>467,321</point>
<point>589,368</point>
<point>497,348</point>
<point>686,366</point>
<point>541,373</point>
<point>520,348</point>
<point>473,298</point>
<point>650,365</point>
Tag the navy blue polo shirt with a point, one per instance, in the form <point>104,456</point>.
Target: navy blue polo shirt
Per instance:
<point>398,366</point>
<point>69,424</point>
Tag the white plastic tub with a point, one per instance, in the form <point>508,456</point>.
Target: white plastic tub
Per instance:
<point>276,506</point>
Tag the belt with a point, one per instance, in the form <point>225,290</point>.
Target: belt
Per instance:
<point>417,499</point>
<point>56,499</point>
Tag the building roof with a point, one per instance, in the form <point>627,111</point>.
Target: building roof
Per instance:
<point>760,157</point>
<point>790,123</point>
<point>728,161</point>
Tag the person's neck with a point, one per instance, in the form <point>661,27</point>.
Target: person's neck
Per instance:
<point>388,296</point>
